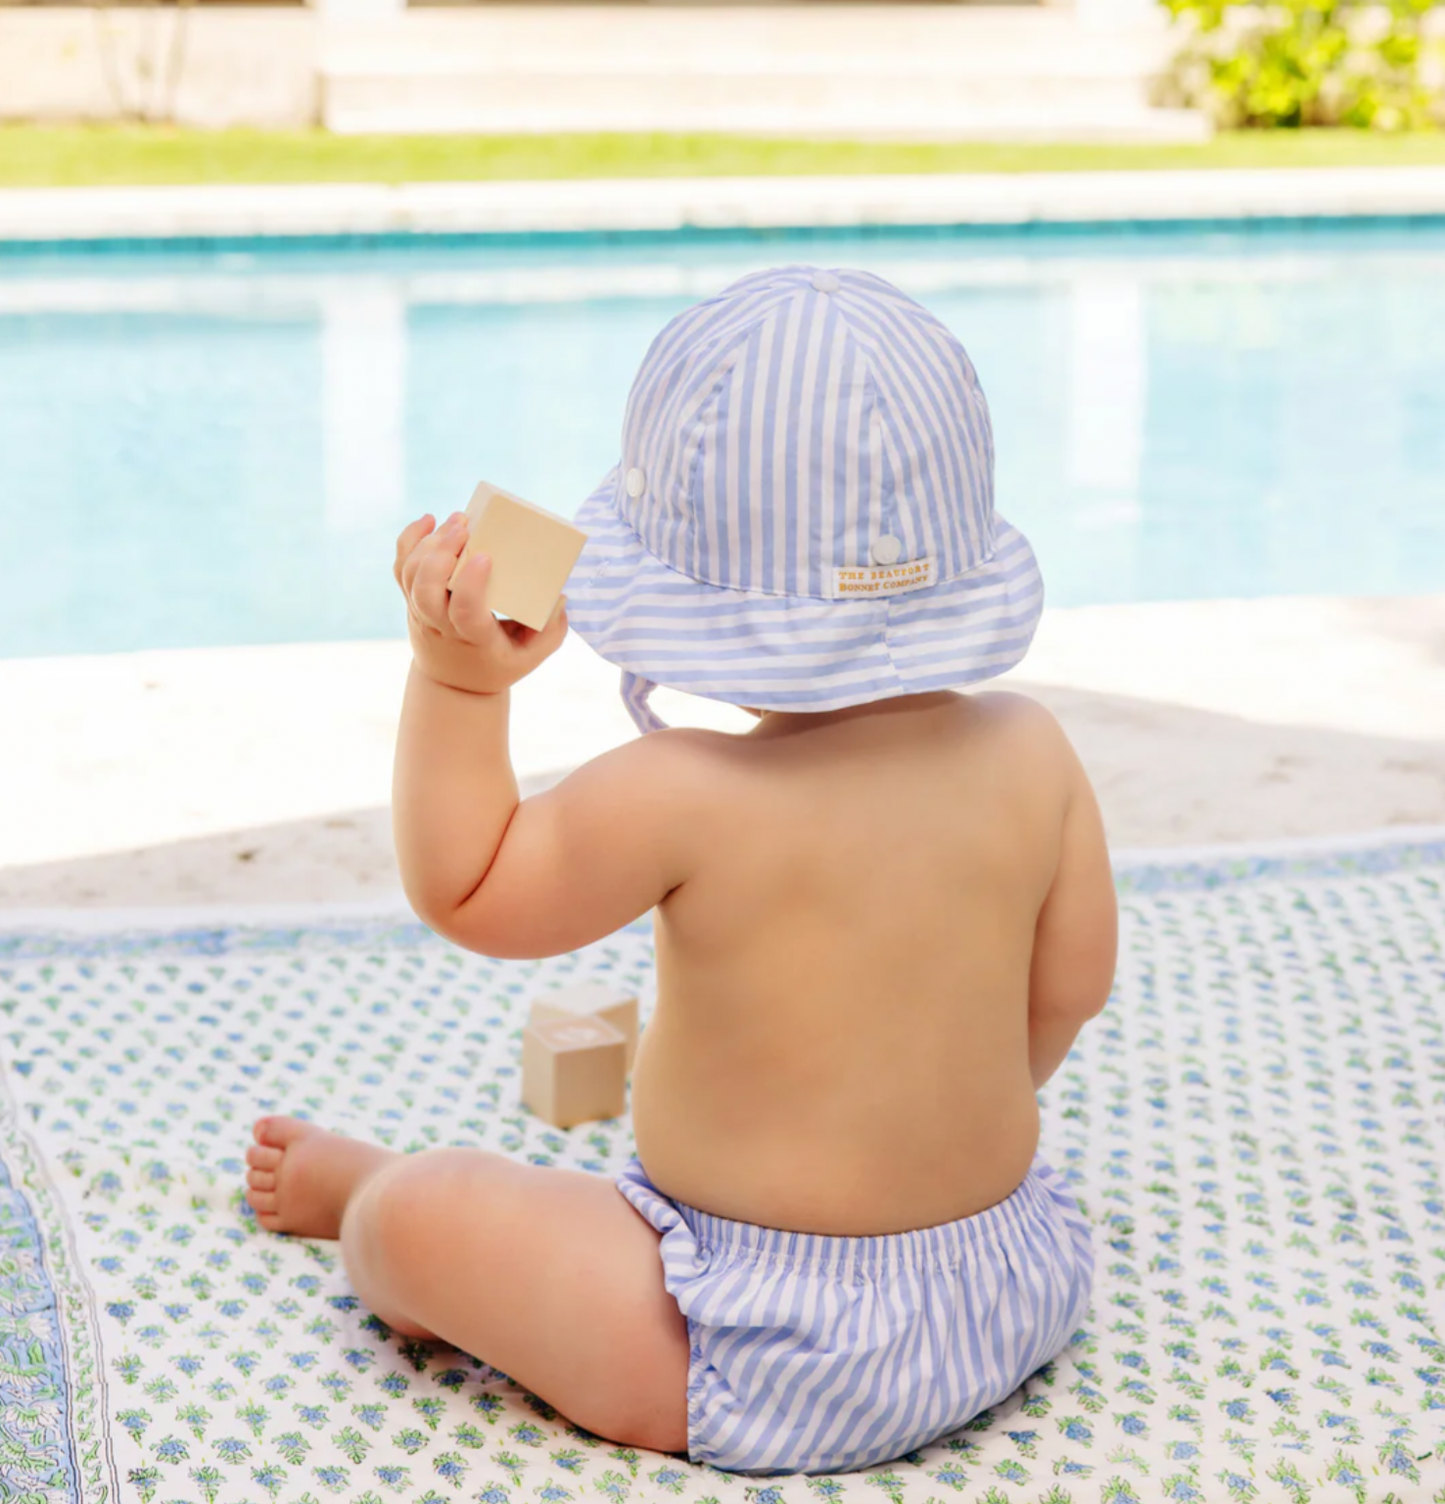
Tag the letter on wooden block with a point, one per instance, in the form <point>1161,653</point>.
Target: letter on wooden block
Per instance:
<point>532,553</point>
<point>592,1000</point>
<point>574,1070</point>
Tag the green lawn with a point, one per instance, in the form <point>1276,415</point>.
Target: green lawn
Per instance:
<point>34,156</point>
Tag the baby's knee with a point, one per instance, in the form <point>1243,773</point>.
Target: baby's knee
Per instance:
<point>409,1203</point>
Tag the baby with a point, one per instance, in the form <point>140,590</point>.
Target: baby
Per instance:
<point>882,916</point>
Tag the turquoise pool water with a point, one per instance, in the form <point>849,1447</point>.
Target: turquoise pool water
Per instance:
<point>219,448</point>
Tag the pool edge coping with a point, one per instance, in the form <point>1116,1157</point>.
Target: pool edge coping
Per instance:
<point>35,220</point>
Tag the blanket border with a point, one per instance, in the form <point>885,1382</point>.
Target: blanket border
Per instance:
<point>1149,873</point>
<point>79,1375</point>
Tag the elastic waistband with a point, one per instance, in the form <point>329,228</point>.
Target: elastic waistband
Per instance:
<point>1041,1196</point>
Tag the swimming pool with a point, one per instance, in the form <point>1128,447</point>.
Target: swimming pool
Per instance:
<point>214,448</point>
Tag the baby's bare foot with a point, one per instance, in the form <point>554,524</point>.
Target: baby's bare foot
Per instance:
<point>301,1176</point>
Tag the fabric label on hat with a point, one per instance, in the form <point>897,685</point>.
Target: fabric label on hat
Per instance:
<point>889,579</point>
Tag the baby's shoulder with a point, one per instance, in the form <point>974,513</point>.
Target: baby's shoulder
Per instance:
<point>1025,733</point>
<point>1021,718</point>
<point>681,759</point>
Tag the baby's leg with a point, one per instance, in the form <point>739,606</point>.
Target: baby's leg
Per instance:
<point>548,1275</point>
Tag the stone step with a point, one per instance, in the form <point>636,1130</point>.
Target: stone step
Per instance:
<point>619,95</point>
<point>1020,114</point>
<point>921,72</point>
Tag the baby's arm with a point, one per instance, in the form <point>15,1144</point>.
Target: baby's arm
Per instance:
<point>490,872</point>
<point>1076,940</point>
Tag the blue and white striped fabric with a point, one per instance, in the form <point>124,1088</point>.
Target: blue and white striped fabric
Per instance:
<point>803,515</point>
<point>816,1354</point>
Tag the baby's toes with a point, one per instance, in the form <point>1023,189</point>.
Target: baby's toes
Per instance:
<point>263,1157</point>
<point>262,1180</point>
<point>263,1203</point>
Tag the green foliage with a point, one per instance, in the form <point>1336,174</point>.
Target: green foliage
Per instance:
<point>1296,63</point>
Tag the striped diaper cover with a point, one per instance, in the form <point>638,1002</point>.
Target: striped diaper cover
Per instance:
<point>814,1354</point>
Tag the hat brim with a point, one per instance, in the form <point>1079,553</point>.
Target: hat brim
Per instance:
<point>774,652</point>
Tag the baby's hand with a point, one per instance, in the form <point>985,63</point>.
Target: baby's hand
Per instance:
<point>455,639</point>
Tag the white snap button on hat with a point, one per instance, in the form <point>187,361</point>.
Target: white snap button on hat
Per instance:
<point>636,482</point>
<point>886,549</point>
<point>825,282</point>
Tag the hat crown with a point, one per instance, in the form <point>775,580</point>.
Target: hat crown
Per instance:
<point>803,422</point>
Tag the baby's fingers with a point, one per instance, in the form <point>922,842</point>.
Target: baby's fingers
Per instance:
<point>434,563</point>
<point>408,540</point>
<point>468,611</point>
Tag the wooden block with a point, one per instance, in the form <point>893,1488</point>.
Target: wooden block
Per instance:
<point>532,553</point>
<point>615,1005</point>
<point>574,1070</point>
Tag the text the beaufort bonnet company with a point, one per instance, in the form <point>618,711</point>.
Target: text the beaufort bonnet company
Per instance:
<point>891,579</point>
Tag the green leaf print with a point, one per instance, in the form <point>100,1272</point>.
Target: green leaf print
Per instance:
<point>511,1464</point>
<point>431,1409</point>
<point>351,1444</point>
<point>614,1486</point>
<point>292,1446</point>
<point>270,1477</point>
<point>195,1418</point>
<point>171,1450</point>
<point>145,1480</point>
<point>451,1467</point>
<point>888,1481</point>
<point>254,1416</point>
<point>208,1480</point>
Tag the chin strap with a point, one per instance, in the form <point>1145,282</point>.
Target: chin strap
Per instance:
<point>635,692</point>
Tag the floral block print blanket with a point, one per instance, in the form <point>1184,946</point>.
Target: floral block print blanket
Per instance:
<point>1255,1128</point>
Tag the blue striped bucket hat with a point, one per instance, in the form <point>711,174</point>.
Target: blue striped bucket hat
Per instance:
<point>803,515</point>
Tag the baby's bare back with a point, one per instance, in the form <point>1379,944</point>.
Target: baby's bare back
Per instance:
<point>842,1036</point>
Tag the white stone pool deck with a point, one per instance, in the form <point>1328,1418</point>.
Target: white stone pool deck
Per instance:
<point>261,775</point>
<point>50,215</point>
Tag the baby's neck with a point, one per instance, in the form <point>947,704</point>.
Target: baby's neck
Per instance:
<point>788,722</point>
